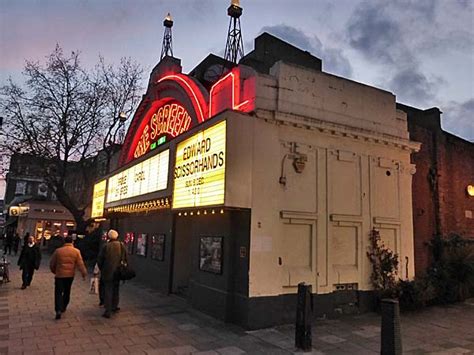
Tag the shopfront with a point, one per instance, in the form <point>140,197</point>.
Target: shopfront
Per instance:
<point>230,196</point>
<point>42,219</point>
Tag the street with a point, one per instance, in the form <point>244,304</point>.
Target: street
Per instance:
<point>152,323</point>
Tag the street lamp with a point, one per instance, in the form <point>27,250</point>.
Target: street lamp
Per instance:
<point>122,119</point>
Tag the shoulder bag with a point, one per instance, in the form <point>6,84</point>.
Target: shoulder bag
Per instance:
<point>124,272</point>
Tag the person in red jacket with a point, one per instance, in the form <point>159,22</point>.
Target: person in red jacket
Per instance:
<point>63,264</point>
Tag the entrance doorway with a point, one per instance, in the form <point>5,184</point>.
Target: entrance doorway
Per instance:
<point>184,253</point>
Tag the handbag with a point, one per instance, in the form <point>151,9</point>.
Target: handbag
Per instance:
<point>124,272</point>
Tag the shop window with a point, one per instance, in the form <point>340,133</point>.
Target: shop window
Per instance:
<point>39,229</point>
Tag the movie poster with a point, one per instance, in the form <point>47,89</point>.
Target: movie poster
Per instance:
<point>158,247</point>
<point>210,254</point>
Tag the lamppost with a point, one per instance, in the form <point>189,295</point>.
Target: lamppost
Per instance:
<point>122,119</point>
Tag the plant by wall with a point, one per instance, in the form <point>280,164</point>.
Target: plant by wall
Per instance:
<point>452,271</point>
<point>384,266</point>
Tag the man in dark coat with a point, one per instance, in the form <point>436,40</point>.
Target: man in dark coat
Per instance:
<point>16,243</point>
<point>8,243</point>
<point>108,261</point>
<point>29,261</point>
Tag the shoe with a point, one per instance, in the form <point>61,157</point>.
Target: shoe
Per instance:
<point>63,310</point>
<point>115,310</point>
<point>23,287</point>
<point>58,315</point>
<point>106,315</point>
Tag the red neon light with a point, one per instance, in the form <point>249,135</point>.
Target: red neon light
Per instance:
<point>169,119</point>
<point>241,104</point>
<point>235,87</point>
<point>188,86</point>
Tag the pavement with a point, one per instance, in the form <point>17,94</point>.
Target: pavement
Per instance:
<point>152,323</point>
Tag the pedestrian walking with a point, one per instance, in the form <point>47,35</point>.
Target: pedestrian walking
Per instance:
<point>16,243</point>
<point>109,260</point>
<point>8,243</point>
<point>26,237</point>
<point>101,280</point>
<point>29,261</point>
<point>63,265</point>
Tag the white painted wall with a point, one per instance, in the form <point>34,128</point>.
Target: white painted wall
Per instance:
<point>315,228</point>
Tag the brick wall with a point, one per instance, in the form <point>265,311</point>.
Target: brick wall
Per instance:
<point>444,168</point>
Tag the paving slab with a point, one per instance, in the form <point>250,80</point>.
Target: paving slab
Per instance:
<point>152,323</point>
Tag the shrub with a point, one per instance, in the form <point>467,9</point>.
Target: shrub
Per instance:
<point>384,266</point>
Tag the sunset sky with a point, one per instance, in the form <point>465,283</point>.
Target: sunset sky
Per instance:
<point>421,50</point>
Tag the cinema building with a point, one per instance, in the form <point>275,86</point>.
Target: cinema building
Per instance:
<point>237,184</point>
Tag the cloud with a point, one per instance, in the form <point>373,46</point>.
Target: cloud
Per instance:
<point>458,118</point>
<point>334,60</point>
<point>383,33</point>
<point>412,86</point>
<point>373,33</point>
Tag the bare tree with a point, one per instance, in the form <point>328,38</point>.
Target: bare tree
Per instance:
<point>65,114</point>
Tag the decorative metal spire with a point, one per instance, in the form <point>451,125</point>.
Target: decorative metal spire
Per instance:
<point>234,48</point>
<point>167,47</point>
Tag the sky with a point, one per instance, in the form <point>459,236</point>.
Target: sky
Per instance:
<point>421,50</point>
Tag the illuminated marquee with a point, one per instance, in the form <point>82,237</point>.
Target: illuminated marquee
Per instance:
<point>98,199</point>
<point>199,174</point>
<point>169,120</point>
<point>148,176</point>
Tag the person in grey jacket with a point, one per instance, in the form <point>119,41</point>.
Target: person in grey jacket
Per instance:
<point>108,261</point>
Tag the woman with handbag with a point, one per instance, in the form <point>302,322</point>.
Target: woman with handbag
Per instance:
<point>110,259</point>
<point>29,261</point>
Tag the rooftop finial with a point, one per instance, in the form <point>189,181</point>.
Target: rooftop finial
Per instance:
<point>167,47</point>
<point>234,48</point>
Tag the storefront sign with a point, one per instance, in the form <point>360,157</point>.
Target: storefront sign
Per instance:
<point>19,210</point>
<point>199,174</point>
<point>148,176</point>
<point>169,120</point>
<point>98,199</point>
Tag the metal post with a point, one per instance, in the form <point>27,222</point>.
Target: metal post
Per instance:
<point>303,318</point>
<point>391,339</point>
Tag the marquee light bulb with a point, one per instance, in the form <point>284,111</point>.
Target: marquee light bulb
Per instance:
<point>235,3</point>
<point>168,17</point>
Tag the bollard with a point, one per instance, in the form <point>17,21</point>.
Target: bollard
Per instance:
<point>391,339</point>
<point>303,318</point>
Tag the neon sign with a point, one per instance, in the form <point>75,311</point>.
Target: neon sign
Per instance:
<point>177,102</point>
<point>169,120</point>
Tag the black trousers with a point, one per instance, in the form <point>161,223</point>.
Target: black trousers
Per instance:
<point>111,293</point>
<point>62,293</point>
<point>27,275</point>
<point>7,249</point>
<point>101,291</point>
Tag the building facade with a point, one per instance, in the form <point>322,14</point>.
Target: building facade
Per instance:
<point>233,189</point>
<point>30,205</point>
<point>443,201</point>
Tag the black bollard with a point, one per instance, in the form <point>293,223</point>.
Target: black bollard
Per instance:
<point>391,339</point>
<point>303,318</point>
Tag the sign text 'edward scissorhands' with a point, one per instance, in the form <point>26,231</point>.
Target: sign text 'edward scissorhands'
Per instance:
<point>199,173</point>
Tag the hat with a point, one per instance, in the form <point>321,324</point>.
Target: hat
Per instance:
<point>112,234</point>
